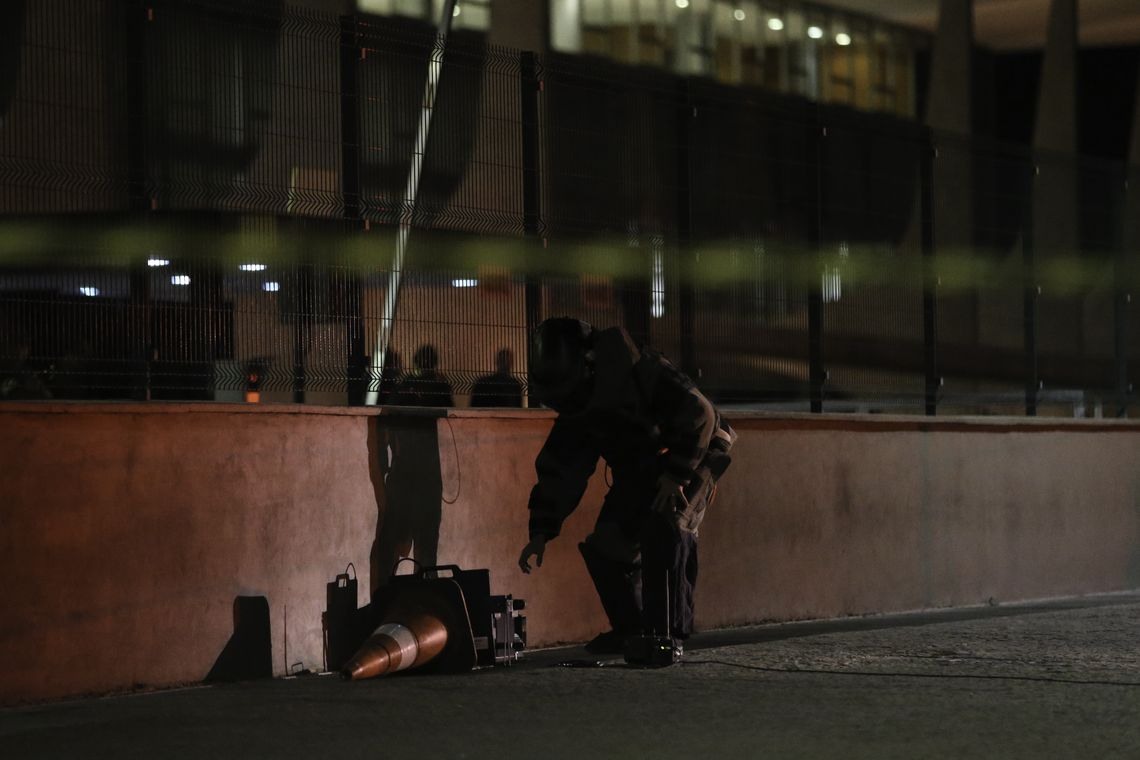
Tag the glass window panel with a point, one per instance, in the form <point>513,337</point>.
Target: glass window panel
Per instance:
<point>693,43</point>
<point>773,32</point>
<point>595,27</point>
<point>799,48</point>
<point>379,7</point>
<point>816,47</point>
<point>726,43</point>
<point>838,75</point>
<point>749,23</point>
<point>862,63</point>
<point>903,63</point>
<point>473,14</point>
<point>623,40</point>
<point>652,32</point>
<point>566,25</point>
<point>595,12</point>
<point>413,8</point>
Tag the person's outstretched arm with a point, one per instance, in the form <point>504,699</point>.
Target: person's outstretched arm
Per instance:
<point>564,466</point>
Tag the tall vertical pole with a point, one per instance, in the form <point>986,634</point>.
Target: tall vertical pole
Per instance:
<point>929,275</point>
<point>303,305</point>
<point>816,373</point>
<point>139,16</point>
<point>411,192</point>
<point>1122,300</point>
<point>352,303</point>
<point>1031,293</point>
<point>529,87</point>
<point>686,112</point>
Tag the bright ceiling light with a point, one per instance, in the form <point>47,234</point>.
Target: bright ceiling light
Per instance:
<point>180,279</point>
<point>464,283</point>
<point>738,14</point>
<point>156,262</point>
<point>815,32</point>
<point>271,287</point>
<point>682,4</point>
<point>89,290</point>
<point>775,24</point>
<point>253,267</point>
<point>842,39</point>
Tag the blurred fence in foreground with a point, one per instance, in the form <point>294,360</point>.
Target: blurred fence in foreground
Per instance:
<point>207,200</point>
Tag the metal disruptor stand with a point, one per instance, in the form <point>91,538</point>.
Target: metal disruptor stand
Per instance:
<point>651,650</point>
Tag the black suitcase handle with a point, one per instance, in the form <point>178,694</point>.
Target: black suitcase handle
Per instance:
<point>421,571</point>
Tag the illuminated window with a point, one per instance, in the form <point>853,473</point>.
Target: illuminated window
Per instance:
<point>470,14</point>
<point>802,49</point>
<point>657,285</point>
<point>803,54</point>
<point>653,34</point>
<point>838,81</point>
<point>467,14</point>
<point>596,27</point>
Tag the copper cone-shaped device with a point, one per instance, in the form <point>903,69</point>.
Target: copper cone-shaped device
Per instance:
<point>414,641</point>
<point>422,622</point>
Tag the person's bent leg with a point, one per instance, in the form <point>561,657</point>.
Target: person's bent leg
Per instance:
<point>612,563</point>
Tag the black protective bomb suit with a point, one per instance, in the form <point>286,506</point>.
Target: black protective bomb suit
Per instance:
<point>651,425</point>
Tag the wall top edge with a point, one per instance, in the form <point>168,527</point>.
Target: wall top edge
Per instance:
<point>742,419</point>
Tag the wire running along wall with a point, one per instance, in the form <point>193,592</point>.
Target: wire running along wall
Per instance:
<point>199,199</point>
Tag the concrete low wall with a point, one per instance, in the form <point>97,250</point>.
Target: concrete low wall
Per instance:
<point>129,530</point>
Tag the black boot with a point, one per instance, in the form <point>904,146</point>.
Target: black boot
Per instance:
<point>610,642</point>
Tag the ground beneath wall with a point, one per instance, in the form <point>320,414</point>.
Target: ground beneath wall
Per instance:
<point>1048,680</point>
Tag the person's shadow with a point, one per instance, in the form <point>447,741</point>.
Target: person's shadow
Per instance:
<point>403,455</point>
<point>405,470</point>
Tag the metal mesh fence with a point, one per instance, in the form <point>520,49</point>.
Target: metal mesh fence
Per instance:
<point>208,200</point>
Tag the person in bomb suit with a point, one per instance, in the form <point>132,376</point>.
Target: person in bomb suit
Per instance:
<point>666,446</point>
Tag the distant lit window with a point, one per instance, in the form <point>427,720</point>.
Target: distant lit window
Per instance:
<point>467,14</point>
<point>832,285</point>
<point>838,83</point>
<point>803,33</point>
<point>657,285</point>
<point>799,48</point>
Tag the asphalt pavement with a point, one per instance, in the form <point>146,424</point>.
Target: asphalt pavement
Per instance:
<point>1053,679</point>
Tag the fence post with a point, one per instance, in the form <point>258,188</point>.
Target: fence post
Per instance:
<point>816,373</point>
<point>138,195</point>
<point>350,142</point>
<point>1122,301</point>
<point>929,275</point>
<point>529,86</point>
<point>1031,291</point>
<point>303,305</point>
<point>686,112</point>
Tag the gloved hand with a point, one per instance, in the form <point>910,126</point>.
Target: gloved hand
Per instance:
<point>535,547</point>
<point>670,499</point>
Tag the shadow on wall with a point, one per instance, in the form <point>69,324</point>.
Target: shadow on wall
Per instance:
<point>248,654</point>
<point>403,455</point>
<point>404,467</point>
